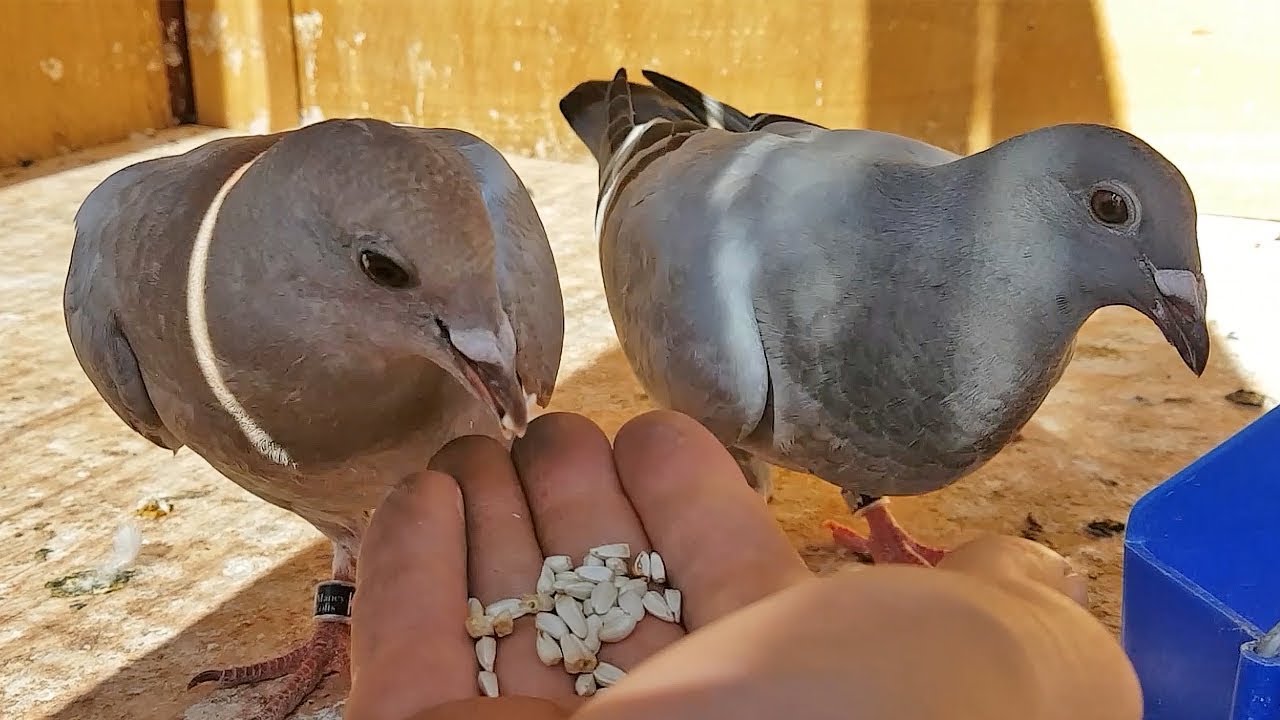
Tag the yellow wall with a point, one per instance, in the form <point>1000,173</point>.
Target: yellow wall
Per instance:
<point>944,70</point>
<point>1198,79</point>
<point>242,62</point>
<point>76,74</point>
<point>1201,82</point>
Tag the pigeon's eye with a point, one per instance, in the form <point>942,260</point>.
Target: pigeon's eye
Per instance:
<point>1109,207</point>
<point>383,270</point>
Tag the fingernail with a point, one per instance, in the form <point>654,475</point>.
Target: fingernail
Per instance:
<point>1077,588</point>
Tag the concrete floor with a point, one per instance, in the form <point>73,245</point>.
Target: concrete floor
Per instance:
<point>224,577</point>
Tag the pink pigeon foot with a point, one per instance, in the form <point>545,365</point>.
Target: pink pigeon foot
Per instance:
<point>327,650</point>
<point>887,542</point>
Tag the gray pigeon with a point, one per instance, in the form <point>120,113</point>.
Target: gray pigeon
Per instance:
<point>315,313</point>
<point>864,307</point>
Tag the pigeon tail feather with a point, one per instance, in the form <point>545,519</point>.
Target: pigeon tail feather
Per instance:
<point>716,113</point>
<point>585,108</point>
<point>621,113</point>
<point>708,110</point>
<point>630,147</point>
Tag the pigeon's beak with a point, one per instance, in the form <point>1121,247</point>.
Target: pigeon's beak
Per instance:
<point>499,387</point>
<point>1179,312</point>
<point>492,377</point>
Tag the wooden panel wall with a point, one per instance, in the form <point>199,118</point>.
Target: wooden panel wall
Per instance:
<point>76,73</point>
<point>1201,82</point>
<point>242,61</point>
<point>1198,79</point>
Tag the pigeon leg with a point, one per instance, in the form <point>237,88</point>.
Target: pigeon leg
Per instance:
<point>888,542</point>
<point>305,666</point>
<point>758,473</point>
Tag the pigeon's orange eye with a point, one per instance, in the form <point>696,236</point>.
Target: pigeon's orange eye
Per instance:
<point>383,270</point>
<point>1109,207</point>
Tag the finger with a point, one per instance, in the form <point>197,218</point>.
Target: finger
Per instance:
<point>566,465</point>
<point>499,708</point>
<point>411,581</point>
<point>503,557</point>
<point>1016,559</point>
<point>721,546</point>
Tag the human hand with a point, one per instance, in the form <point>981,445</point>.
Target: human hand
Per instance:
<point>993,634</point>
<point>1017,563</point>
<point>666,484</point>
<point>997,631</point>
<point>881,640</point>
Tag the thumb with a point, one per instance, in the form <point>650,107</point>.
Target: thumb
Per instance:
<point>1004,558</point>
<point>500,708</point>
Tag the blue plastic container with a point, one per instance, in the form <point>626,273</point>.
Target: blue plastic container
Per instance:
<point>1202,583</point>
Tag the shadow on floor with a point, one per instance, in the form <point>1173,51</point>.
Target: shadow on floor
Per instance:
<point>270,616</point>
<point>1125,417</point>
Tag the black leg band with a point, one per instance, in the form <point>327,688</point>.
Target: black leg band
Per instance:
<point>333,600</point>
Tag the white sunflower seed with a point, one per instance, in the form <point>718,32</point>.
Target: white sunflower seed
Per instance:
<point>577,658</point>
<point>559,563</point>
<point>592,640</point>
<point>561,585</point>
<point>578,610</point>
<point>479,626</point>
<point>657,606</point>
<point>595,573</point>
<point>579,590</point>
<point>546,581</point>
<point>632,602</point>
<point>486,652</point>
<point>504,624</point>
<point>549,650</point>
<point>674,601</point>
<point>640,568</point>
<point>488,683</point>
<point>657,568</point>
<point>603,597</point>
<point>616,628</point>
<point>551,624</point>
<point>615,613</point>
<point>608,675</point>
<point>570,611</point>
<point>508,605</point>
<point>612,550</point>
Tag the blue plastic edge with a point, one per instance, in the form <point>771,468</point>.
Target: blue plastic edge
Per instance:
<point>1188,667</point>
<point>1256,694</point>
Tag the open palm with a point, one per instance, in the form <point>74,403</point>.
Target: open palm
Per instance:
<point>665,485</point>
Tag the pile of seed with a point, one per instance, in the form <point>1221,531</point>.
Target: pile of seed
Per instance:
<point>576,610</point>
